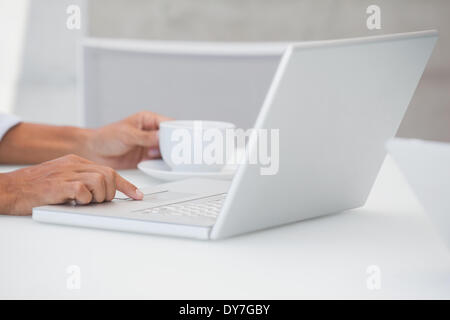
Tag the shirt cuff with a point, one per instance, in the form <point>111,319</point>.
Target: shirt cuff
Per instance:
<point>6,123</point>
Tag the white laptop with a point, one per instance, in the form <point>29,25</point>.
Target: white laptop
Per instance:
<point>426,166</point>
<point>335,103</point>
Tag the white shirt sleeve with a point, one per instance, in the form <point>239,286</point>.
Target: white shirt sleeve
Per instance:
<point>7,121</point>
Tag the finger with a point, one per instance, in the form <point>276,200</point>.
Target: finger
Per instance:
<point>149,120</point>
<point>144,138</point>
<point>109,176</point>
<point>128,188</point>
<point>110,180</point>
<point>152,153</point>
<point>79,192</point>
<point>95,183</point>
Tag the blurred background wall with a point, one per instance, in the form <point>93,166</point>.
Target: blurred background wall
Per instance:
<point>46,73</point>
<point>49,56</point>
<point>12,30</point>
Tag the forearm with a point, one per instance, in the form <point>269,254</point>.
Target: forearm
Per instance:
<point>29,143</point>
<point>7,196</point>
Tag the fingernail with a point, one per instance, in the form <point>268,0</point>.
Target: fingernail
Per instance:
<point>139,194</point>
<point>154,153</point>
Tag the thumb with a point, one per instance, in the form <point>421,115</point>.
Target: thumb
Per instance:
<point>145,138</point>
<point>128,188</point>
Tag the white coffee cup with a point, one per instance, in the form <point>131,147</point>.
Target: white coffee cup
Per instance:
<point>194,145</point>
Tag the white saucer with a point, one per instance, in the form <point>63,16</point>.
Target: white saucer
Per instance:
<point>160,170</point>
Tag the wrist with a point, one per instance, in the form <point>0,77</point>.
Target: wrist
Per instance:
<point>83,142</point>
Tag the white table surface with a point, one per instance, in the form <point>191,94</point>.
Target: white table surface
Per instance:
<point>321,258</point>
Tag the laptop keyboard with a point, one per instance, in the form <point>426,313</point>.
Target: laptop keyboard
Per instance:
<point>208,207</point>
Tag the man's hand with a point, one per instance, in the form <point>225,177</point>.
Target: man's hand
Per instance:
<point>58,181</point>
<point>122,145</point>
